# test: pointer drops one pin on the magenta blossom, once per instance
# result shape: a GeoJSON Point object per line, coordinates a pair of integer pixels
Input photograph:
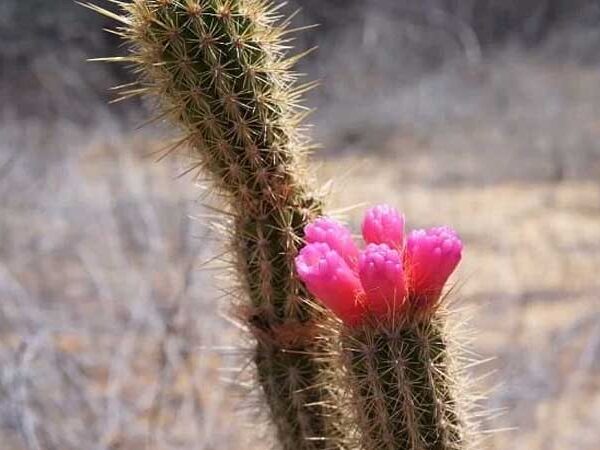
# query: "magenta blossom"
{"type": "Point", "coordinates": [382, 276]}
{"type": "Point", "coordinates": [389, 277]}
{"type": "Point", "coordinates": [334, 234]}
{"type": "Point", "coordinates": [329, 278]}
{"type": "Point", "coordinates": [384, 225]}
{"type": "Point", "coordinates": [431, 257]}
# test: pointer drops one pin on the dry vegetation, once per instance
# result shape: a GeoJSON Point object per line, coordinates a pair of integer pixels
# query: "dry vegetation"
{"type": "Point", "coordinates": [112, 332]}
{"type": "Point", "coordinates": [108, 329]}
{"type": "Point", "coordinates": [111, 336]}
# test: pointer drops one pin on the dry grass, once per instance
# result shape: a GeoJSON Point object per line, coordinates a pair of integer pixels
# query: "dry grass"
{"type": "Point", "coordinates": [109, 327]}
{"type": "Point", "coordinates": [109, 332]}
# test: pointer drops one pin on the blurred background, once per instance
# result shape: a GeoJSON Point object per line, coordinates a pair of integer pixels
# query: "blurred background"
{"type": "Point", "coordinates": [483, 114]}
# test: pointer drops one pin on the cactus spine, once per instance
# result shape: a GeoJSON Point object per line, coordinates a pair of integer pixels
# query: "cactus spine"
{"type": "Point", "coordinates": [401, 387]}
{"type": "Point", "coordinates": [217, 69]}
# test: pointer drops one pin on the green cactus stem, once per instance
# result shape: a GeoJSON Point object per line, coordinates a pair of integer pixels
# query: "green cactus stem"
{"type": "Point", "coordinates": [401, 383]}
{"type": "Point", "coordinates": [217, 69]}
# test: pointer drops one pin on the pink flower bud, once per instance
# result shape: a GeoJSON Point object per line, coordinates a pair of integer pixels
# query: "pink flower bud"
{"type": "Point", "coordinates": [334, 234]}
{"type": "Point", "coordinates": [431, 257]}
{"type": "Point", "coordinates": [329, 278]}
{"type": "Point", "coordinates": [383, 224]}
{"type": "Point", "coordinates": [382, 276]}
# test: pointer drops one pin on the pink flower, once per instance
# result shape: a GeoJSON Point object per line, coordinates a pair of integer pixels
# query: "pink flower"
{"type": "Point", "coordinates": [334, 234]}
{"type": "Point", "coordinates": [382, 276]}
{"type": "Point", "coordinates": [329, 278]}
{"type": "Point", "coordinates": [389, 277]}
{"type": "Point", "coordinates": [383, 224]}
{"type": "Point", "coordinates": [431, 257]}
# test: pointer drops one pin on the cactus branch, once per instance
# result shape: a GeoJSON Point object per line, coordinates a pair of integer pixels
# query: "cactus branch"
{"type": "Point", "coordinates": [402, 387]}
{"type": "Point", "coordinates": [218, 70]}
{"type": "Point", "coordinates": [397, 372]}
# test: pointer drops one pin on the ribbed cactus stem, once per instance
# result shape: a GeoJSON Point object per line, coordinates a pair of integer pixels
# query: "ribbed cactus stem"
{"type": "Point", "coordinates": [401, 386]}
{"type": "Point", "coordinates": [217, 69]}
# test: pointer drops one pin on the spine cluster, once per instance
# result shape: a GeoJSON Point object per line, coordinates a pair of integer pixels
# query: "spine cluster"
{"type": "Point", "coordinates": [217, 69]}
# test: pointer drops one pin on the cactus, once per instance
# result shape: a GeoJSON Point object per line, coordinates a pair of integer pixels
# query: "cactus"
{"type": "Point", "coordinates": [397, 368]}
{"type": "Point", "coordinates": [218, 70]}
{"type": "Point", "coordinates": [400, 381]}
